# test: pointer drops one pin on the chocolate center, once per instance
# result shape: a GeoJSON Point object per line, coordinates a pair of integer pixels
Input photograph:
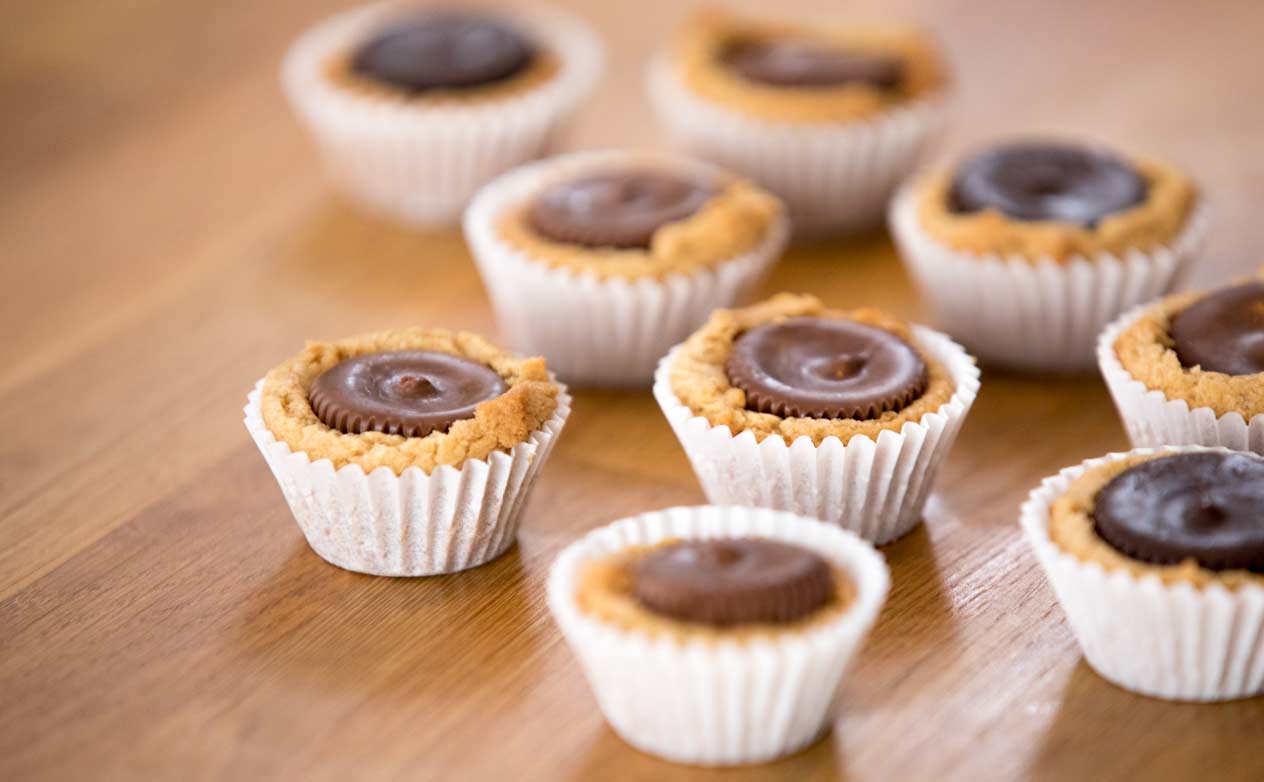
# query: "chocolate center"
{"type": "Point", "coordinates": [825, 368]}
{"type": "Point", "coordinates": [406, 392]}
{"type": "Point", "coordinates": [1223, 332]}
{"type": "Point", "coordinates": [1208, 507]}
{"type": "Point", "coordinates": [730, 582]}
{"type": "Point", "coordinates": [615, 208]}
{"type": "Point", "coordinates": [792, 62]}
{"type": "Point", "coordinates": [1031, 181]}
{"type": "Point", "coordinates": [443, 50]}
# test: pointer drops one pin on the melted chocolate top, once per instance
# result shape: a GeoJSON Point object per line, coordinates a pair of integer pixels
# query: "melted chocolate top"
{"type": "Point", "coordinates": [443, 50]}
{"type": "Point", "coordinates": [825, 368]}
{"type": "Point", "coordinates": [1223, 332]}
{"type": "Point", "coordinates": [616, 208]}
{"type": "Point", "coordinates": [791, 62]}
{"type": "Point", "coordinates": [1208, 507]}
{"type": "Point", "coordinates": [406, 392]}
{"type": "Point", "coordinates": [733, 581]}
{"type": "Point", "coordinates": [1036, 181]}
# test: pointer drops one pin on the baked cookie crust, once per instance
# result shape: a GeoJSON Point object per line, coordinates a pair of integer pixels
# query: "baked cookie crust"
{"type": "Point", "coordinates": [1156, 221]}
{"type": "Point", "coordinates": [733, 222]}
{"type": "Point", "coordinates": [604, 592]}
{"type": "Point", "coordinates": [1071, 528]}
{"type": "Point", "coordinates": [544, 67]}
{"type": "Point", "coordinates": [498, 424]}
{"type": "Point", "coordinates": [1145, 350]}
{"type": "Point", "coordinates": [700, 382]}
{"type": "Point", "coordinates": [696, 51]}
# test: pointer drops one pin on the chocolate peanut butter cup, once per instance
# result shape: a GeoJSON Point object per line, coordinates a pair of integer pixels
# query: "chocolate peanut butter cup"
{"type": "Point", "coordinates": [447, 50]}
{"type": "Point", "coordinates": [800, 62]}
{"type": "Point", "coordinates": [617, 208]}
{"type": "Point", "coordinates": [410, 393]}
{"type": "Point", "coordinates": [812, 367]}
{"type": "Point", "coordinates": [1042, 181]}
{"type": "Point", "coordinates": [732, 581]}
{"type": "Point", "coordinates": [1208, 507]}
{"type": "Point", "coordinates": [1223, 332]}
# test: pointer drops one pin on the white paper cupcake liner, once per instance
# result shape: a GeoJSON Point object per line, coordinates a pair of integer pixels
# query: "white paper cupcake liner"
{"type": "Point", "coordinates": [421, 164]}
{"type": "Point", "coordinates": [1035, 315]}
{"type": "Point", "coordinates": [592, 331]}
{"type": "Point", "coordinates": [1152, 419]}
{"type": "Point", "coordinates": [834, 177]}
{"type": "Point", "coordinates": [412, 524]}
{"type": "Point", "coordinates": [1176, 642]}
{"type": "Point", "coordinates": [876, 489]}
{"type": "Point", "coordinates": [718, 702]}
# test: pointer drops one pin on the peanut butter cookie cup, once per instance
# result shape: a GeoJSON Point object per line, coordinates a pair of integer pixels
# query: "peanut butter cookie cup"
{"type": "Point", "coordinates": [844, 416]}
{"type": "Point", "coordinates": [829, 117]}
{"type": "Point", "coordinates": [408, 452]}
{"type": "Point", "coordinates": [717, 636]}
{"type": "Point", "coordinates": [602, 261]}
{"type": "Point", "coordinates": [1157, 558]}
{"type": "Point", "coordinates": [1188, 369]}
{"type": "Point", "coordinates": [415, 108]}
{"type": "Point", "coordinates": [1025, 250]}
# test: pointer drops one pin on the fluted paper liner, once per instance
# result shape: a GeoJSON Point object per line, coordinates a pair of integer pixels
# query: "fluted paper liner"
{"type": "Point", "coordinates": [875, 488]}
{"type": "Point", "coordinates": [834, 177]}
{"type": "Point", "coordinates": [1034, 314]}
{"type": "Point", "coordinates": [600, 332]}
{"type": "Point", "coordinates": [1174, 641]}
{"type": "Point", "coordinates": [723, 702]}
{"type": "Point", "coordinates": [421, 163]}
{"type": "Point", "coordinates": [412, 524]}
{"type": "Point", "coordinates": [1152, 419]}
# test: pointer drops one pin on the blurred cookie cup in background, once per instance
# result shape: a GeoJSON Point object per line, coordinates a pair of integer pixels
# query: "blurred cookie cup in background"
{"type": "Point", "coordinates": [1026, 249]}
{"type": "Point", "coordinates": [831, 117]}
{"type": "Point", "coordinates": [414, 108]}
{"type": "Point", "coordinates": [601, 261]}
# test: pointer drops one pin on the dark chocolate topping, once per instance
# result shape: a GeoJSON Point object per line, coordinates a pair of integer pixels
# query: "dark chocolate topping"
{"type": "Point", "coordinates": [406, 392]}
{"type": "Point", "coordinates": [428, 51]}
{"type": "Point", "coordinates": [733, 581]}
{"type": "Point", "coordinates": [791, 62]}
{"type": "Point", "coordinates": [615, 208]}
{"type": "Point", "coordinates": [1208, 507]}
{"type": "Point", "coordinates": [1223, 332]}
{"type": "Point", "coordinates": [825, 368]}
{"type": "Point", "coordinates": [1033, 181]}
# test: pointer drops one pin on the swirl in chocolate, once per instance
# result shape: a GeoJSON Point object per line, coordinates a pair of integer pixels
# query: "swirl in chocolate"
{"type": "Point", "coordinates": [1208, 507]}
{"type": "Point", "coordinates": [1223, 332]}
{"type": "Point", "coordinates": [1035, 181]}
{"type": "Point", "coordinates": [445, 50]}
{"type": "Point", "coordinates": [732, 581]}
{"type": "Point", "coordinates": [825, 368]}
{"type": "Point", "coordinates": [621, 208]}
{"type": "Point", "coordinates": [793, 62]}
{"type": "Point", "coordinates": [407, 392]}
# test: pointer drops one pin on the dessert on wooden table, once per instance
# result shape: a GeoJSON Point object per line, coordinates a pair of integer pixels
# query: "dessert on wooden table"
{"type": "Point", "coordinates": [407, 452]}
{"type": "Point", "coordinates": [415, 108]}
{"type": "Point", "coordinates": [717, 636]}
{"type": "Point", "coordinates": [844, 416]}
{"type": "Point", "coordinates": [1189, 369]}
{"type": "Point", "coordinates": [1027, 249]}
{"type": "Point", "coordinates": [1157, 558]}
{"type": "Point", "coordinates": [829, 117]}
{"type": "Point", "coordinates": [602, 261]}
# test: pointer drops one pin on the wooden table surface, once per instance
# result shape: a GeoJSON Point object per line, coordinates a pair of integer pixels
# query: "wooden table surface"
{"type": "Point", "coordinates": [167, 236]}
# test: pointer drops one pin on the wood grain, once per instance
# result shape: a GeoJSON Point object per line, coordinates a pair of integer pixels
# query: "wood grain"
{"type": "Point", "coordinates": [168, 236]}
